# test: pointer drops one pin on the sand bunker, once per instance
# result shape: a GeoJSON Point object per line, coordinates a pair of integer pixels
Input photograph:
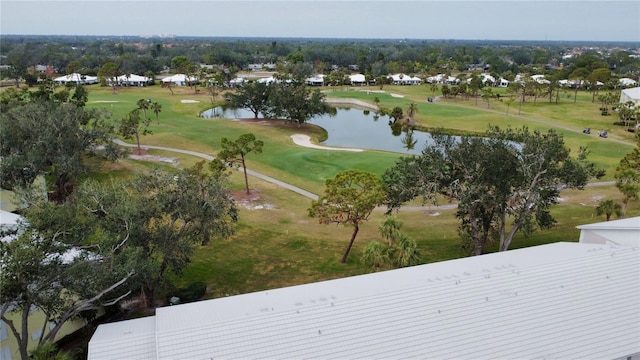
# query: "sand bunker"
{"type": "Point", "coordinates": [397, 95]}
{"type": "Point", "coordinates": [304, 140]}
{"type": "Point", "coordinates": [189, 101]}
{"type": "Point", "coordinates": [105, 101]}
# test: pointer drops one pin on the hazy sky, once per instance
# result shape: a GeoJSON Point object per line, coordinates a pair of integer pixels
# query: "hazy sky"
{"type": "Point", "coordinates": [598, 20]}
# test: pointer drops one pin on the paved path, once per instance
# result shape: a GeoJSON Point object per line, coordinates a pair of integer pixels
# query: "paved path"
{"type": "Point", "coordinates": [209, 158]}
{"type": "Point", "coordinates": [303, 192]}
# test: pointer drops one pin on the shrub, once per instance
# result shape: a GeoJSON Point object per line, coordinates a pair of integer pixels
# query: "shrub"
{"type": "Point", "coordinates": [192, 292]}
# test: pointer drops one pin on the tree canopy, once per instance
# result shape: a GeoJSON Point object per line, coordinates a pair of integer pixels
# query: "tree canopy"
{"type": "Point", "coordinates": [515, 175]}
{"type": "Point", "coordinates": [234, 152]}
{"type": "Point", "coordinates": [349, 199]}
{"type": "Point", "coordinates": [51, 139]}
{"type": "Point", "coordinates": [111, 240]}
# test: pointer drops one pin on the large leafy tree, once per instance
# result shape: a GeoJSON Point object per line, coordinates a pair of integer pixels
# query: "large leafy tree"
{"type": "Point", "coordinates": [109, 71]}
{"type": "Point", "coordinates": [179, 211]}
{"type": "Point", "coordinates": [54, 140]}
{"type": "Point", "coordinates": [253, 96]}
{"type": "Point", "coordinates": [349, 199]}
{"type": "Point", "coordinates": [110, 240]}
{"type": "Point", "coordinates": [234, 153]}
{"type": "Point", "coordinates": [57, 263]}
{"type": "Point", "coordinates": [294, 102]}
{"type": "Point", "coordinates": [511, 178]}
{"type": "Point", "coordinates": [132, 126]}
{"type": "Point", "coordinates": [578, 77]}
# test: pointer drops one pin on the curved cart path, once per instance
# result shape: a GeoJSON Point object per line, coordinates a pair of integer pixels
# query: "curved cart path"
{"type": "Point", "coordinates": [296, 189]}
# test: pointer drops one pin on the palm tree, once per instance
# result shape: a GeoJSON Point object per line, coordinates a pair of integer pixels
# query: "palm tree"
{"type": "Point", "coordinates": [143, 104]}
{"type": "Point", "coordinates": [609, 207]}
{"type": "Point", "coordinates": [408, 140]}
{"type": "Point", "coordinates": [156, 108]}
{"type": "Point", "coordinates": [412, 110]}
{"type": "Point", "coordinates": [390, 229]}
{"type": "Point", "coordinates": [376, 253]}
{"type": "Point", "coordinates": [407, 252]}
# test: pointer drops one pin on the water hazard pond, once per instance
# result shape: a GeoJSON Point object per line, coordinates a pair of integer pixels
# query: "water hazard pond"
{"type": "Point", "coordinates": [350, 127]}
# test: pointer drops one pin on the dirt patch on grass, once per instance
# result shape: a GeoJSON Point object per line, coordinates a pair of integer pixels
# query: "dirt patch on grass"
{"type": "Point", "coordinates": [251, 201]}
{"type": "Point", "coordinates": [154, 158]}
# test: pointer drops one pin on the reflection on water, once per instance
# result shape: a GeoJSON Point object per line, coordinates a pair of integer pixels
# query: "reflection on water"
{"type": "Point", "coordinates": [352, 128]}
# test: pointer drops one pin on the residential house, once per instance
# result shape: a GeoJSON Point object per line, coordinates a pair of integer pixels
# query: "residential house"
{"type": "Point", "coordinates": [357, 80]}
{"type": "Point", "coordinates": [315, 80]}
{"type": "Point", "coordinates": [76, 78]}
{"type": "Point", "coordinates": [129, 80]}
{"type": "Point", "coordinates": [180, 80]}
{"type": "Point", "coordinates": [403, 79]}
{"type": "Point", "coordinates": [615, 232]}
{"type": "Point", "coordinates": [631, 94]}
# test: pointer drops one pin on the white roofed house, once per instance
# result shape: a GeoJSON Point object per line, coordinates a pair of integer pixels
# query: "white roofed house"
{"type": "Point", "coordinates": [627, 82]}
{"type": "Point", "coordinates": [77, 79]}
{"type": "Point", "coordinates": [315, 80]}
{"type": "Point", "coordinates": [403, 79]}
{"type": "Point", "coordinates": [631, 94]}
{"type": "Point", "coordinates": [180, 80]}
{"type": "Point", "coordinates": [539, 79]}
{"type": "Point", "coordinates": [357, 80]}
{"type": "Point", "coordinates": [616, 232]}
{"type": "Point", "coordinates": [556, 301]}
{"type": "Point", "coordinates": [129, 80]}
{"type": "Point", "coordinates": [443, 79]}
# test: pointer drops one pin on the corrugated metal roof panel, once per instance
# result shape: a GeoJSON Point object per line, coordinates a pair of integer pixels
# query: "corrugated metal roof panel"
{"type": "Point", "coordinates": [563, 300]}
{"type": "Point", "coordinates": [130, 339]}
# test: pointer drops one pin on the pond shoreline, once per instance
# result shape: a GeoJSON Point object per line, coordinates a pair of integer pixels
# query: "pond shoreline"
{"type": "Point", "coordinates": [352, 102]}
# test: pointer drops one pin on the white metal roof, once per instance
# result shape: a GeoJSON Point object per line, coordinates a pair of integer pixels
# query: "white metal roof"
{"type": "Point", "coordinates": [632, 223]}
{"type": "Point", "coordinates": [620, 232]}
{"type": "Point", "coordinates": [563, 300]}
{"type": "Point", "coordinates": [179, 78]}
{"type": "Point", "coordinates": [8, 218]}
{"type": "Point", "coordinates": [130, 339]}
{"type": "Point", "coordinates": [632, 93]}
{"type": "Point", "coordinates": [133, 78]}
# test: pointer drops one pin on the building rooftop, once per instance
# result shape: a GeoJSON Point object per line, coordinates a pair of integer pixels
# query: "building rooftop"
{"type": "Point", "coordinates": [562, 300]}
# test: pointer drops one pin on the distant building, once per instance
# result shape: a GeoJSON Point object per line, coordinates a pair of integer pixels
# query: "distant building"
{"type": "Point", "coordinates": [180, 80]}
{"type": "Point", "coordinates": [616, 232]}
{"type": "Point", "coordinates": [632, 94]}
{"type": "Point", "coordinates": [403, 79]}
{"type": "Point", "coordinates": [315, 80]}
{"type": "Point", "coordinates": [76, 78]}
{"type": "Point", "coordinates": [129, 80]}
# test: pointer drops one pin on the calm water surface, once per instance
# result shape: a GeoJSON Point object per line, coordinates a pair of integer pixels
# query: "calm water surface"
{"type": "Point", "coordinates": [350, 127]}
